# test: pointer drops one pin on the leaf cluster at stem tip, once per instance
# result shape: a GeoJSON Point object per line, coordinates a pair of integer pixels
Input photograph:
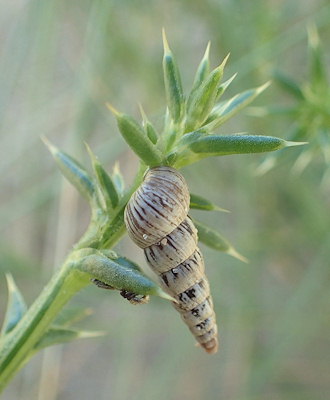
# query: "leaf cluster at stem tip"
{"type": "Point", "coordinates": [191, 120]}
{"type": "Point", "coordinates": [308, 114]}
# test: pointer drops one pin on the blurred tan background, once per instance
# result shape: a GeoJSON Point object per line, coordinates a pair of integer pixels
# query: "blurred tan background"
{"type": "Point", "coordinates": [60, 62]}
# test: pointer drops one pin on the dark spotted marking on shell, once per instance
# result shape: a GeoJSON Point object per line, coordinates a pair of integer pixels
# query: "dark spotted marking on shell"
{"type": "Point", "coordinates": [157, 220]}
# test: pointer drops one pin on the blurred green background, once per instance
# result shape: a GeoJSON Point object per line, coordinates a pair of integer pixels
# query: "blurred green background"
{"type": "Point", "coordinates": [60, 62]}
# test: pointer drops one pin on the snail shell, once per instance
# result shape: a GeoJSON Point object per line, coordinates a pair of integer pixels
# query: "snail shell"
{"type": "Point", "coordinates": [156, 219]}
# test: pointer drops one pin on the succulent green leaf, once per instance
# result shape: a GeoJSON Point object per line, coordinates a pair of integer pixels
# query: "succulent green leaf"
{"type": "Point", "coordinates": [105, 183]}
{"type": "Point", "coordinates": [203, 99]}
{"type": "Point", "coordinates": [121, 275]}
{"type": "Point", "coordinates": [214, 240]}
{"type": "Point", "coordinates": [16, 307]}
{"type": "Point", "coordinates": [58, 335]}
{"type": "Point", "coordinates": [136, 138]}
{"type": "Point", "coordinates": [201, 73]}
{"type": "Point", "coordinates": [227, 109]}
{"type": "Point", "coordinates": [70, 316]}
{"type": "Point", "coordinates": [118, 179]}
{"type": "Point", "coordinates": [221, 145]}
{"type": "Point", "coordinates": [173, 86]}
{"type": "Point", "coordinates": [288, 84]}
{"type": "Point", "coordinates": [73, 171]}
{"type": "Point", "coordinates": [238, 144]}
{"type": "Point", "coordinates": [203, 68]}
{"type": "Point", "coordinates": [200, 203]}
{"type": "Point", "coordinates": [108, 187]}
{"type": "Point", "coordinates": [223, 87]}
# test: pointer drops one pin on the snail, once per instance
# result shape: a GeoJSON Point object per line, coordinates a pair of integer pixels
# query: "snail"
{"type": "Point", "coordinates": [156, 218]}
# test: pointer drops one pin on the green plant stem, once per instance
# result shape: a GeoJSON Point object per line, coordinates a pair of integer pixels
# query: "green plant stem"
{"type": "Point", "coordinates": [115, 227]}
{"type": "Point", "coordinates": [17, 346]}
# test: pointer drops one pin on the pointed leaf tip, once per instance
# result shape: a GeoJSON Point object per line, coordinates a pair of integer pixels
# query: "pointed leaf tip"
{"type": "Point", "coordinates": [224, 62]}
{"type": "Point", "coordinates": [112, 109]}
{"type": "Point", "coordinates": [217, 208]}
{"type": "Point", "coordinates": [263, 87]}
{"type": "Point", "coordinates": [16, 307]}
{"type": "Point", "coordinates": [160, 292]}
{"type": "Point", "coordinates": [288, 143]}
{"type": "Point", "coordinates": [234, 253]}
{"type": "Point", "coordinates": [58, 334]}
{"type": "Point", "coordinates": [92, 156]}
{"type": "Point", "coordinates": [165, 42]}
{"type": "Point", "coordinates": [52, 148]}
{"type": "Point", "coordinates": [207, 50]}
{"type": "Point", "coordinates": [143, 114]}
{"type": "Point", "coordinates": [90, 334]}
{"type": "Point", "coordinates": [313, 36]}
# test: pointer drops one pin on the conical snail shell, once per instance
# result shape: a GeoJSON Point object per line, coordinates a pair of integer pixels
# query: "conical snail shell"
{"type": "Point", "coordinates": [157, 220]}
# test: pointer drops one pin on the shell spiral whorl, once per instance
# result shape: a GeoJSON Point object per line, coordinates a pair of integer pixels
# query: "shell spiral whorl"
{"type": "Point", "coordinates": [156, 219]}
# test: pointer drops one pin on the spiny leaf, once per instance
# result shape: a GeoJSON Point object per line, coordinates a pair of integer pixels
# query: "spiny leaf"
{"type": "Point", "coordinates": [135, 137]}
{"type": "Point", "coordinates": [223, 87]}
{"type": "Point", "coordinates": [16, 307]}
{"type": "Point", "coordinates": [105, 182]}
{"type": "Point", "coordinates": [203, 99]}
{"type": "Point", "coordinates": [221, 145]}
{"type": "Point", "coordinates": [200, 203]}
{"type": "Point", "coordinates": [225, 110]}
{"type": "Point", "coordinates": [70, 316]}
{"type": "Point", "coordinates": [58, 335]}
{"type": "Point", "coordinates": [173, 86]}
{"type": "Point", "coordinates": [239, 144]}
{"type": "Point", "coordinates": [73, 171]}
{"type": "Point", "coordinates": [201, 73]}
{"type": "Point", "coordinates": [213, 239]}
